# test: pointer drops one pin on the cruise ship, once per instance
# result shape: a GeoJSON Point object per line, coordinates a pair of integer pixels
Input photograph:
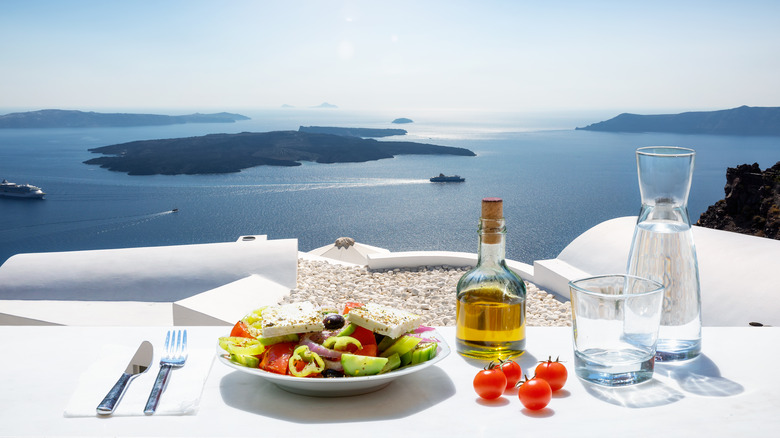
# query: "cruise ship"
{"type": "Point", "coordinates": [12, 190]}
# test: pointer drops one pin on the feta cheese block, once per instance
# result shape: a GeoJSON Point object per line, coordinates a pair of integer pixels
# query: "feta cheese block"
{"type": "Point", "coordinates": [384, 320]}
{"type": "Point", "coordinates": [290, 318]}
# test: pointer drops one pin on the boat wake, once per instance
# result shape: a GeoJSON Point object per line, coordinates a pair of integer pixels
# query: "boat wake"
{"type": "Point", "coordinates": [112, 222]}
{"type": "Point", "coordinates": [299, 187]}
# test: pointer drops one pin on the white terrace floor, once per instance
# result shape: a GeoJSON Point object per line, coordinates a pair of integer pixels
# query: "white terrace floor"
{"type": "Point", "coordinates": [214, 284]}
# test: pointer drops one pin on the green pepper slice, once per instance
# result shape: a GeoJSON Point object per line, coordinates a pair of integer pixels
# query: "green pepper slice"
{"type": "Point", "coordinates": [314, 363]}
{"type": "Point", "coordinates": [241, 346]}
{"type": "Point", "coordinates": [341, 342]}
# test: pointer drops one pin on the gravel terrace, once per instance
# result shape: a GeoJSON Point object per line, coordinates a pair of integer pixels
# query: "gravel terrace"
{"type": "Point", "coordinates": [427, 291]}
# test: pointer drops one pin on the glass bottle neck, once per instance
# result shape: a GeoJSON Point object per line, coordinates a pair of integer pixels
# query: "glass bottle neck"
{"type": "Point", "coordinates": [492, 242]}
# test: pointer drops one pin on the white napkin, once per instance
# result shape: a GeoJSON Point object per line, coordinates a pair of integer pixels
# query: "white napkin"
{"type": "Point", "coordinates": [181, 397]}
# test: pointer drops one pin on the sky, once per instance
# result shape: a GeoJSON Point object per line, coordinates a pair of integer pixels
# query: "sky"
{"type": "Point", "coordinates": [639, 56]}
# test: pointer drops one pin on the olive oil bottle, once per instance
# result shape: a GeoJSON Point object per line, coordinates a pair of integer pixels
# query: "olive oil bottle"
{"type": "Point", "coordinates": [490, 309]}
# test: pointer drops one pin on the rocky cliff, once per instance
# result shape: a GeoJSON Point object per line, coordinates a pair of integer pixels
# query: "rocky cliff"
{"type": "Point", "coordinates": [752, 203]}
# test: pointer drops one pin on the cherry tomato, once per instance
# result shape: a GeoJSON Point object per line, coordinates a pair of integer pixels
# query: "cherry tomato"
{"type": "Point", "coordinates": [553, 372]}
{"type": "Point", "coordinates": [534, 394]}
{"type": "Point", "coordinates": [490, 382]}
{"type": "Point", "coordinates": [240, 331]}
{"type": "Point", "coordinates": [512, 371]}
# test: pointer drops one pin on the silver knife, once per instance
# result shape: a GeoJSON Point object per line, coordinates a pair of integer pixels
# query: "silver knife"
{"type": "Point", "coordinates": [140, 362]}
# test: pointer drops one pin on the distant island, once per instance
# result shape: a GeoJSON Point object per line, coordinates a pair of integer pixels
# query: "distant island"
{"type": "Point", "coordinates": [226, 153]}
{"type": "Point", "coordinates": [55, 118]}
{"type": "Point", "coordinates": [744, 120]}
{"type": "Point", "coordinates": [403, 120]}
{"type": "Point", "coordinates": [325, 105]}
{"type": "Point", "coordinates": [352, 132]}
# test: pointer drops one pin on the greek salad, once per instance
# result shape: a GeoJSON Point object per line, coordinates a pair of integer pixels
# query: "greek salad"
{"type": "Point", "coordinates": [303, 340]}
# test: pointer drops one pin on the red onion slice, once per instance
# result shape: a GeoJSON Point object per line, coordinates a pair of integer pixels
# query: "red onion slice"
{"type": "Point", "coordinates": [423, 328]}
{"type": "Point", "coordinates": [325, 353]}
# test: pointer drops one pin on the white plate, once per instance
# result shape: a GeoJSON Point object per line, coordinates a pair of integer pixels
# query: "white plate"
{"type": "Point", "coordinates": [341, 386]}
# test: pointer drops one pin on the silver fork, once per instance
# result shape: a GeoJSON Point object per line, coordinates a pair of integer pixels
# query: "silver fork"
{"type": "Point", "coordinates": [174, 356]}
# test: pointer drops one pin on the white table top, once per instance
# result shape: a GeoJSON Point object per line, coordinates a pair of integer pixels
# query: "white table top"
{"type": "Point", "coordinates": [732, 389]}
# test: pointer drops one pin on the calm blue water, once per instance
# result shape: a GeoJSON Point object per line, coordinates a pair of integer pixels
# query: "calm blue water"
{"type": "Point", "coordinates": [556, 183]}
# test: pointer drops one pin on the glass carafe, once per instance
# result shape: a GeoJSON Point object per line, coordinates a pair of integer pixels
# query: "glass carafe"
{"type": "Point", "coordinates": [663, 248]}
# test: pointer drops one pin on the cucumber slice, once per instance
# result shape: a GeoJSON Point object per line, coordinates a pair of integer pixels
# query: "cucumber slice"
{"type": "Point", "coordinates": [403, 345]}
{"type": "Point", "coordinates": [356, 365]}
{"type": "Point", "coordinates": [393, 362]}
{"type": "Point", "coordinates": [384, 344]}
{"type": "Point", "coordinates": [247, 361]}
{"type": "Point", "coordinates": [406, 358]}
{"type": "Point", "coordinates": [424, 352]}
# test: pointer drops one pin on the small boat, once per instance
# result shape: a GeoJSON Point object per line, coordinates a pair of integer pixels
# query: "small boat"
{"type": "Point", "coordinates": [175, 210]}
{"type": "Point", "coordinates": [13, 190]}
{"type": "Point", "coordinates": [444, 178]}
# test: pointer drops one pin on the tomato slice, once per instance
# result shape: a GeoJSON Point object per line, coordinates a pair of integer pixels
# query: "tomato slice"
{"type": "Point", "coordinates": [367, 340]}
{"type": "Point", "coordinates": [367, 350]}
{"type": "Point", "coordinates": [350, 305]}
{"type": "Point", "coordinates": [277, 357]}
{"type": "Point", "coordinates": [240, 330]}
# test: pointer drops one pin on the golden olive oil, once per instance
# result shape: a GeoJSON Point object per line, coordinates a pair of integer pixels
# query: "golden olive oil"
{"type": "Point", "coordinates": [490, 324]}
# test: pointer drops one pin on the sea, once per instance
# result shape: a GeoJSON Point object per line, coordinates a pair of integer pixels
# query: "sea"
{"type": "Point", "coordinates": [556, 183]}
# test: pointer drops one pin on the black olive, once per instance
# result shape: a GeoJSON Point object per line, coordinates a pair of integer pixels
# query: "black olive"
{"type": "Point", "coordinates": [332, 373]}
{"type": "Point", "coordinates": [333, 321]}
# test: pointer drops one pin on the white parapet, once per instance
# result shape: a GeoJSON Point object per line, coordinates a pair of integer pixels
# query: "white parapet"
{"type": "Point", "coordinates": [152, 274]}
{"type": "Point", "coordinates": [414, 259]}
{"type": "Point", "coordinates": [227, 304]}
{"type": "Point", "coordinates": [192, 284]}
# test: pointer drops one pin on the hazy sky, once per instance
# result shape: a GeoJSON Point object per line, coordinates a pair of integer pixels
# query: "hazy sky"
{"type": "Point", "coordinates": [507, 55]}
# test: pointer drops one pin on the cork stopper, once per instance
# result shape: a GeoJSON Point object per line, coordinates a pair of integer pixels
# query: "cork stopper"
{"type": "Point", "coordinates": [492, 208]}
{"type": "Point", "coordinates": [492, 220]}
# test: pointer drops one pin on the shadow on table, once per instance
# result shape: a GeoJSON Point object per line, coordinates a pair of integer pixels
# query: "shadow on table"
{"type": "Point", "coordinates": [699, 376]}
{"type": "Point", "coordinates": [527, 362]}
{"type": "Point", "coordinates": [405, 396]}
{"type": "Point", "coordinates": [644, 395]}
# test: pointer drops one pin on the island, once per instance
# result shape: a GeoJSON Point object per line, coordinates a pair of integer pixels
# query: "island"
{"type": "Point", "coordinates": [56, 118]}
{"type": "Point", "coordinates": [227, 153]}
{"type": "Point", "coordinates": [352, 132]}
{"type": "Point", "coordinates": [403, 120]}
{"type": "Point", "coordinates": [325, 105]}
{"type": "Point", "coordinates": [744, 120]}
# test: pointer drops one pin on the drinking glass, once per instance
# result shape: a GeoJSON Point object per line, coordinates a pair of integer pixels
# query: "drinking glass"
{"type": "Point", "coordinates": [615, 319]}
